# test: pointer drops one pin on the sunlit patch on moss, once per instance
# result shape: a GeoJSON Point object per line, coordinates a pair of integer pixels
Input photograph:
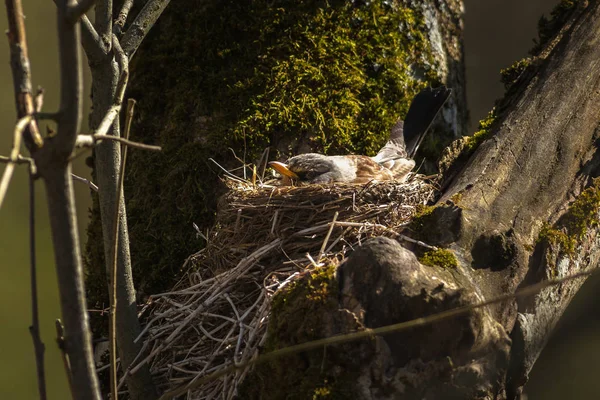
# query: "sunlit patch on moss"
{"type": "Point", "coordinates": [441, 258]}
{"type": "Point", "coordinates": [582, 215]}
{"type": "Point", "coordinates": [511, 74]}
{"type": "Point", "coordinates": [483, 131]}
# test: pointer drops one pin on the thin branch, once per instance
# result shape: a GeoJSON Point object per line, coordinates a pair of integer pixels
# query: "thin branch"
{"type": "Point", "coordinates": [21, 71]}
{"type": "Point", "coordinates": [55, 169]}
{"type": "Point", "coordinates": [60, 341]}
{"type": "Point", "coordinates": [34, 329]}
{"type": "Point", "coordinates": [92, 140]}
{"type": "Point", "coordinates": [369, 333]}
{"type": "Point", "coordinates": [47, 116]}
{"type": "Point", "coordinates": [14, 155]}
{"type": "Point", "coordinates": [123, 62]}
{"type": "Point", "coordinates": [115, 246]}
{"type": "Point", "coordinates": [20, 160]}
{"type": "Point", "coordinates": [89, 183]}
{"type": "Point", "coordinates": [103, 16]}
{"type": "Point", "coordinates": [75, 12]}
{"type": "Point", "coordinates": [108, 120]}
{"type": "Point", "coordinates": [71, 87]}
{"type": "Point", "coordinates": [142, 25]}
{"type": "Point", "coordinates": [90, 40]}
{"type": "Point", "coordinates": [122, 18]}
{"type": "Point", "coordinates": [38, 101]}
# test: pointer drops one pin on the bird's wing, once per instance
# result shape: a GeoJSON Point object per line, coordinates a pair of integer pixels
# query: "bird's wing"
{"type": "Point", "coordinates": [395, 147]}
{"type": "Point", "coordinates": [423, 110]}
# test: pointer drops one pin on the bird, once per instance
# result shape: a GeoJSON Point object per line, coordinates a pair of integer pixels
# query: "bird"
{"type": "Point", "coordinates": [393, 162]}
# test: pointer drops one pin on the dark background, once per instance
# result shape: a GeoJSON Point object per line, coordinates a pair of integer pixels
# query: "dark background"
{"type": "Point", "coordinates": [497, 33]}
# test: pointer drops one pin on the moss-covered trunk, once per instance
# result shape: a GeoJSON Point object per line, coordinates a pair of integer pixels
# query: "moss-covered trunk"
{"type": "Point", "coordinates": [223, 79]}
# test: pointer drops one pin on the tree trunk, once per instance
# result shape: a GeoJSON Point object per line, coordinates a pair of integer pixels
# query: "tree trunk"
{"type": "Point", "coordinates": [524, 209]}
{"type": "Point", "coordinates": [514, 215]}
{"type": "Point", "coordinates": [222, 77]}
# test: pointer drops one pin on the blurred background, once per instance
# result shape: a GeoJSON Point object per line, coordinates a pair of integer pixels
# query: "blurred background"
{"type": "Point", "coordinates": [497, 33]}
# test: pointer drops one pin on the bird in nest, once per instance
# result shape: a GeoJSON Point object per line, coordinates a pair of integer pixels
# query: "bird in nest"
{"type": "Point", "coordinates": [393, 162]}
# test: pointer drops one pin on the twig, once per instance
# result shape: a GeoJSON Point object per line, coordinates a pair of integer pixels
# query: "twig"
{"type": "Point", "coordinates": [60, 341]}
{"type": "Point", "coordinates": [78, 10]}
{"type": "Point", "coordinates": [122, 18]}
{"type": "Point", "coordinates": [34, 329]}
{"type": "Point", "coordinates": [89, 183]}
{"type": "Point", "coordinates": [113, 277]}
{"type": "Point", "coordinates": [332, 225]}
{"type": "Point", "coordinates": [137, 145]}
{"type": "Point", "coordinates": [103, 17]}
{"type": "Point", "coordinates": [90, 40]}
{"type": "Point", "coordinates": [21, 71]}
{"type": "Point", "coordinates": [123, 62]}
{"type": "Point", "coordinates": [38, 101]}
{"type": "Point", "coordinates": [20, 160]}
{"type": "Point", "coordinates": [368, 333]}
{"type": "Point", "coordinates": [142, 25]}
{"type": "Point", "coordinates": [94, 49]}
{"type": "Point", "coordinates": [14, 155]}
{"type": "Point", "coordinates": [91, 140]}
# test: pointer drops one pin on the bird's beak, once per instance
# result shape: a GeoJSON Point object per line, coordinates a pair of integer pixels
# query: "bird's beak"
{"type": "Point", "coordinates": [283, 169]}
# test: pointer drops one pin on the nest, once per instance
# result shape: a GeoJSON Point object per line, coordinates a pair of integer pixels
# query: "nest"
{"type": "Point", "coordinates": [264, 238]}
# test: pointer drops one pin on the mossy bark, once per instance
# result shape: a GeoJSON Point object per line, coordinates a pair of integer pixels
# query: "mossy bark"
{"type": "Point", "coordinates": [524, 208]}
{"type": "Point", "coordinates": [225, 79]}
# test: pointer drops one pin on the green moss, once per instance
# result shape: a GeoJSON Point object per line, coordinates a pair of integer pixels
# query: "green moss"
{"type": "Point", "coordinates": [548, 27]}
{"type": "Point", "coordinates": [483, 131]}
{"type": "Point", "coordinates": [581, 215]}
{"type": "Point", "coordinates": [510, 75]}
{"type": "Point", "coordinates": [441, 258]}
{"type": "Point", "coordinates": [422, 218]}
{"type": "Point", "coordinates": [247, 75]}
{"type": "Point", "coordinates": [306, 310]}
{"type": "Point", "coordinates": [456, 198]}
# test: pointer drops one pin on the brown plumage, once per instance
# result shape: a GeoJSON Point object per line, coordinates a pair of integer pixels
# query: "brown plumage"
{"type": "Point", "coordinates": [393, 162]}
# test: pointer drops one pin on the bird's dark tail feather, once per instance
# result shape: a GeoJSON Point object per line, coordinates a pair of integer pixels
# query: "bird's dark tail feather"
{"type": "Point", "coordinates": [423, 110]}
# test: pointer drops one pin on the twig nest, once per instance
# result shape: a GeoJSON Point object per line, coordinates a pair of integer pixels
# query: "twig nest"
{"type": "Point", "coordinates": [263, 239]}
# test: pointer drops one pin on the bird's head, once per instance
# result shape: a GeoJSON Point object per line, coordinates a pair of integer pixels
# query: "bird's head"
{"type": "Point", "coordinates": [309, 168]}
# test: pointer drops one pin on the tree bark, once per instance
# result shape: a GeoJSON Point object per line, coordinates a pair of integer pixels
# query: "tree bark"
{"type": "Point", "coordinates": [527, 177]}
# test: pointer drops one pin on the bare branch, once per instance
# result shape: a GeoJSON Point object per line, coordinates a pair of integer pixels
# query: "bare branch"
{"type": "Point", "coordinates": [115, 246]}
{"type": "Point", "coordinates": [79, 9]}
{"type": "Point", "coordinates": [20, 160]}
{"type": "Point", "coordinates": [89, 183]}
{"type": "Point", "coordinates": [14, 156]}
{"type": "Point", "coordinates": [19, 63]}
{"type": "Point", "coordinates": [122, 18]}
{"type": "Point", "coordinates": [71, 88]}
{"type": "Point", "coordinates": [39, 99]}
{"type": "Point", "coordinates": [91, 42]}
{"type": "Point", "coordinates": [123, 62]}
{"type": "Point", "coordinates": [96, 138]}
{"type": "Point", "coordinates": [142, 25]}
{"type": "Point", "coordinates": [103, 22]}
{"type": "Point", "coordinates": [48, 116]}
{"type": "Point", "coordinates": [60, 341]}
{"type": "Point", "coordinates": [34, 329]}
